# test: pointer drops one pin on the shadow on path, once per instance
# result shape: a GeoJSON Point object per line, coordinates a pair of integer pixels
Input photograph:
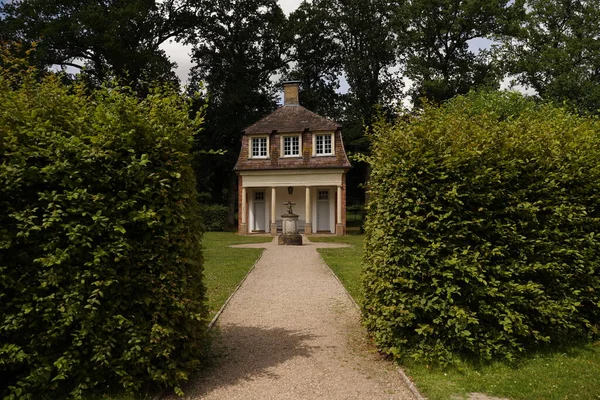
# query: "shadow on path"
{"type": "Point", "coordinates": [242, 351]}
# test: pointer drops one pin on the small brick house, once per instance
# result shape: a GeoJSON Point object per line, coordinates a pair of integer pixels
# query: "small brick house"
{"type": "Point", "coordinates": [293, 155]}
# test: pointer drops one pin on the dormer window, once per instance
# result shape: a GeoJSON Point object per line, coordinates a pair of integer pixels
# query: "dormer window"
{"type": "Point", "coordinates": [260, 147]}
{"type": "Point", "coordinates": [323, 144]}
{"type": "Point", "coordinates": [291, 146]}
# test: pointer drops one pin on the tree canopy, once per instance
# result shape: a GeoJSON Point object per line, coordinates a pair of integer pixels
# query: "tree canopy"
{"type": "Point", "coordinates": [556, 51]}
{"type": "Point", "coordinates": [102, 38]}
{"type": "Point", "coordinates": [316, 59]}
{"type": "Point", "coordinates": [439, 57]}
{"type": "Point", "coordinates": [236, 54]}
{"type": "Point", "coordinates": [357, 60]}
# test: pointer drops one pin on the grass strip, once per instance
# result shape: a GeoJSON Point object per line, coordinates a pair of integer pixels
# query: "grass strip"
{"type": "Point", "coordinates": [344, 262]}
{"type": "Point", "coordinates": [225, 267]}
{"type": "Point", "coordinates": [562, 373]}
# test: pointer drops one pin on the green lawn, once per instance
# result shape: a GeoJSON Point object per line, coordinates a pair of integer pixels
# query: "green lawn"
{"type": "Point", "coordinates": [571, 373]}
{"type": "Point", "coordinates": [567, 373]}
{"type": "Point", "coordinates": [344, 262]}
{"type": "Point", "coordinates": [225, 267]}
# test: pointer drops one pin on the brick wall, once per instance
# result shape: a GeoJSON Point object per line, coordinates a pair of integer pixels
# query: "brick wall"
{"type": "Point", "coordinates": [344, 202]}
{"type": "Point", "coordinates": [240, 204]}
{"type": "Point", "coordinates": [307, 161]}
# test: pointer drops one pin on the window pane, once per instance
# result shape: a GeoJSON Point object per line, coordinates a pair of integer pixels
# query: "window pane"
{"type": "Point", "coordinates": [291, 146]}
{"type": "Point", "coordinates": [323, 144]}
{"type": "Point", "coordinates": [327, 140]}
{"type": "Point", "coordinates": [259, 147]}
{"type": "Point", "coordinates": [263, 147]}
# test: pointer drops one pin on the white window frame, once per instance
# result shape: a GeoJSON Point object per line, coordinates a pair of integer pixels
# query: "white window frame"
{"type": "Point", "coordinates": [332, 136]}
{"type": "Point", "coordinates": [252, 138]}
{"type": "Point", "coordinates": [282, 146]}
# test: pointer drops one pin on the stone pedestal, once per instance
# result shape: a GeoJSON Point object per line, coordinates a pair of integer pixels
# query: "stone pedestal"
{"type": "Point", "coordinates": [290, 234]}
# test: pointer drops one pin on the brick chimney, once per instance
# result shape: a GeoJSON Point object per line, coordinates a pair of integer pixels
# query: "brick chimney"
{"type": "Point", "coordinates": [290, 93]}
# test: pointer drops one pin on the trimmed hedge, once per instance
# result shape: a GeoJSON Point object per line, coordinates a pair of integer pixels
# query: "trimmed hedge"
{"type": "Point", "coordinates": [483, 230]}
{"type": "Point", "coordinates": [214, 217]}
{"type": "Point", "coordinates": [100, 241]}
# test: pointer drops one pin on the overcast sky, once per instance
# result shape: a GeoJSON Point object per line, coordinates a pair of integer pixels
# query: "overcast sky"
{"type": "Point", "coordinates": [181, 54]}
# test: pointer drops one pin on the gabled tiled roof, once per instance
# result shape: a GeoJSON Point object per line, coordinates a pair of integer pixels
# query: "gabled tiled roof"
{"type": "Point", "coordinates": [291, 118]}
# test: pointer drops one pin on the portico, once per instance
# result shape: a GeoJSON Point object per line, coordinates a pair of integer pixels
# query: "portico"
{"type": "Point", "coordinates": [318, 194]}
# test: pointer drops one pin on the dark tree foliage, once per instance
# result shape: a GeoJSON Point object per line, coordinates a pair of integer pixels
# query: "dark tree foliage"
{"type": "Point", "coordinates": [557, 51]}
{"type": "Point", "coordinates": [439, 60]}
{"type": "Point", "coordinates": [236, 54]}
{"type": "Point", "coordinates": [369, 53]}
{"type": "Point", "coordinates": [104, 38]}
{"type": "Point", "coordinates": [352, 39]}
{"type": "Point", "coordinates": [316, 60]}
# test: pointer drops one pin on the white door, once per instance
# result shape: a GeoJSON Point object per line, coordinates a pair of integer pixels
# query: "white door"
{"type": "Point", "coordinates": [323, 211]}
{"type": "Point", "coordinates": [259, 211]}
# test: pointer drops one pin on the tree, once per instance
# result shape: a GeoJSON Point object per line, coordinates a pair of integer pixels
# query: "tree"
{"type": "Point", "coordinates": [370, 63]}
{"type": "Point", "coordinates": [557, 51]}
{"type": "Point", "coordinates": [236, 54]}
{"type": "Point", "coordinates": [439, 60]}
{"type": "Point", "coordinates": [316, 59]}
{"type": "Point", "coordinates": [352, 39]}
{"type": "Point", "coordinates": [369, 50]}
{"type": "Point", "coordinates": [103, 38]}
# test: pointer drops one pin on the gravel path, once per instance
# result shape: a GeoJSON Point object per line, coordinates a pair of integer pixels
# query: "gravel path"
{"type": "Point", "coordinates": [292, 332]}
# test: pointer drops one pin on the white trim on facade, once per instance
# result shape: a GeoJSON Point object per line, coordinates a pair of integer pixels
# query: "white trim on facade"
{"type": "Point", "coordinates": [285, 178]}
{"type": "Point", "coordinates": [269, 181]}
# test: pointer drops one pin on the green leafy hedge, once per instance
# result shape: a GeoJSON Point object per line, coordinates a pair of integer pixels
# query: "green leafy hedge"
{"type": "Point", "coordinates": [100, 254]}
{"type": "Point", "coordinates": [483, 229]}
{"type": "Point", "coordinates": [214, 217]}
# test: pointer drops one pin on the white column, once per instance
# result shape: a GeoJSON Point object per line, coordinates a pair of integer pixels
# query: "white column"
{"type": "Point", "coordinates": [273, 213]}
{"type": "Point", "coordinates": [273, 205]}
{"type": "Point", "coordinates": [308, 224]}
